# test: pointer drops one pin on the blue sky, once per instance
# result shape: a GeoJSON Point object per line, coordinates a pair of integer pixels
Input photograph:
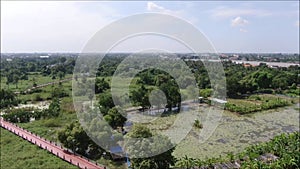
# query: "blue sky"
{"type": "Point", "coordinates": [231, 26]}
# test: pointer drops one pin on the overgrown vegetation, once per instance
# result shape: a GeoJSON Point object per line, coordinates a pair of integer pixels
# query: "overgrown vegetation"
{"type": "Point", "coordinates": [8, 99]}
{"type": "Point", "coordinates": [25, 114]}
{"type": "Point", "coordinates": [256, 103]}
{"type": "Point", "coordinates": [58, 123]}
{"type": "Point", "coordinates": [285, 150]}
{"type": "Point", "coordinates": [17, 153]}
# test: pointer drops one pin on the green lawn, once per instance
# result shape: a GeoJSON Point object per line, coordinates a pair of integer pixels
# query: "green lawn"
{"type": "Point", "coordinates": [18, 153]}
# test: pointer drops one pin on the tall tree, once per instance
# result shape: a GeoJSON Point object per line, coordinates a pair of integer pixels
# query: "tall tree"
{"type": "Point", "coordinates": [140, 97]}
{"type": "Point", "coordinates": [54, 108]}
{"type": "Point", "coordinates": [74, 137]}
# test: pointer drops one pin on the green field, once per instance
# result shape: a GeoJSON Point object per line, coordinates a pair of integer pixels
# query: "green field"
{"type": "Point", "coordinates": [25, 84]}
{"type": "Point", "coordinates": [17, 153]}
{"type": "Point", "coordinates": [44, 93]}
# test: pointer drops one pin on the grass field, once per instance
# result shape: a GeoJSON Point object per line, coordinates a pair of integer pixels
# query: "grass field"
{"type": "Point", "coordinates": [17, 153]}
{"type": "Point", "coordinates": [25, 84]}
{"type": "Point", "coordinates": [45, 92]}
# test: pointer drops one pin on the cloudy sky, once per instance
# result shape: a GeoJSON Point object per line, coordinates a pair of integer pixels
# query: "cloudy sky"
{"type": "Point", "coordinates": [230, 26]}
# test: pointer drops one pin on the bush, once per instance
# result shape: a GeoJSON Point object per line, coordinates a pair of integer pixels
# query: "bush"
{"type": "Point", "coordinates": [205, 93]}
{"type": "Point", "coordinates": [18, 115]}
{"type": "Point", "coordinates": [59, 93]}
{"type": "Point", "coordinates": [8, 98]}
{"type": "Point", "coordinates": [198, 124]}
{"type": "Point", "coordinates": [37, 97]}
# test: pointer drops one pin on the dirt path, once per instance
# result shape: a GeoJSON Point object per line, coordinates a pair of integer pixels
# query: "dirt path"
{"type": "Point", "coordinates": [52, 147]}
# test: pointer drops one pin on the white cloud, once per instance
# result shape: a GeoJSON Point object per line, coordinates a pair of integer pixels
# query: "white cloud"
{"type": "Point", "coordinates": [151, 6]}
{"type": "Point", "coordinates": [182, 13]}
{"type": "Point", "coordinates": [239, 21]}
{"type": "Point", "coordinates": [50, 26]}
{"type": "Point", "coordinates": [243, 30]}
{"type": "Point", "coordinates": [226, 12]}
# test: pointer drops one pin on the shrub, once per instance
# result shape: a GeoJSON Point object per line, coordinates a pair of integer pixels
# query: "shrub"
{"type": "Point", "coordinates": [52, 123]}
{"type": "Point", "coordinates": [37, 97]}
{"type": "Point", "coordinates": [198, 124]}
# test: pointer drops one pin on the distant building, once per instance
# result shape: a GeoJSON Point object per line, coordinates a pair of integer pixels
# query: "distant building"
{"type": "Point", "coordinates": [44, 56]}
{"type": "Point", "coordinates": [274, 66]}
{"type": "Point", "coordinates": [248, 65]}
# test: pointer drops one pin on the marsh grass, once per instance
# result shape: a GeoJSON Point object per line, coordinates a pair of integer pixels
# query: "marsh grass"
{"type": "Point", "coordinates": [17, 153]}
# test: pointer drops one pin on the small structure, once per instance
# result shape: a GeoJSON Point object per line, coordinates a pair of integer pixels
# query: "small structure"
{"type": "Point", "coordinates": [200, 99]}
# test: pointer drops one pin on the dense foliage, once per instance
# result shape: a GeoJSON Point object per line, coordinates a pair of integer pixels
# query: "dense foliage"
{"type": "Point", "coordinates": [258, 103]}
{"type": "Point", "coordinates": [114, 118]}
{"type": "Point", "coordinates": [150, 146]}
{"type": "Point", "coordinates": [8, 98]}
{"type": "Point", "coordinates": [261, 79]}
{"type": "Point", "coordinates": [156, 79]}
{"type": "Point", "coordinates": [19, 68]}
{"type": "Point", "coordinates": [24, 115]}
{"type": "Point", "coordinates": [75, 138]}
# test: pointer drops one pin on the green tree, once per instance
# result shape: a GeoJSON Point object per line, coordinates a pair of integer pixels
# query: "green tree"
{"type": "Point", "coordinates": [74, 137]}
{"type": "Point", "coordinates": [140, 97]}
{"type": "Point", "coordinates": [114, 118]}
{"type": "Point", "coordinates": [153, 145]}
{"type": "Point", "coordinates": [54, 108]}
{"type": "Point", "coordinates": [8, 98]}
{"type": "Point", "coordinates": [61, 75]}
{"type": "Point", "coordinates": [106, 102]}
{"type": "Point", "coordinates": [172, 93]}
{"type": "Point", "coordinates": [233, 86]}
{"type": "Point", "coordinates": [101, 85]}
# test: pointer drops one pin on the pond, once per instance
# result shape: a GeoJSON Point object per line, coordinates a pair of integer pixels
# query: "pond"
{"type": "Point", "coordinates": [236, 132]}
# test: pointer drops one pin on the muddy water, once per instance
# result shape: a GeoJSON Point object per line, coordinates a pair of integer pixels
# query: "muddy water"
{"type": "Point", "coordinates": [234, 132]}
